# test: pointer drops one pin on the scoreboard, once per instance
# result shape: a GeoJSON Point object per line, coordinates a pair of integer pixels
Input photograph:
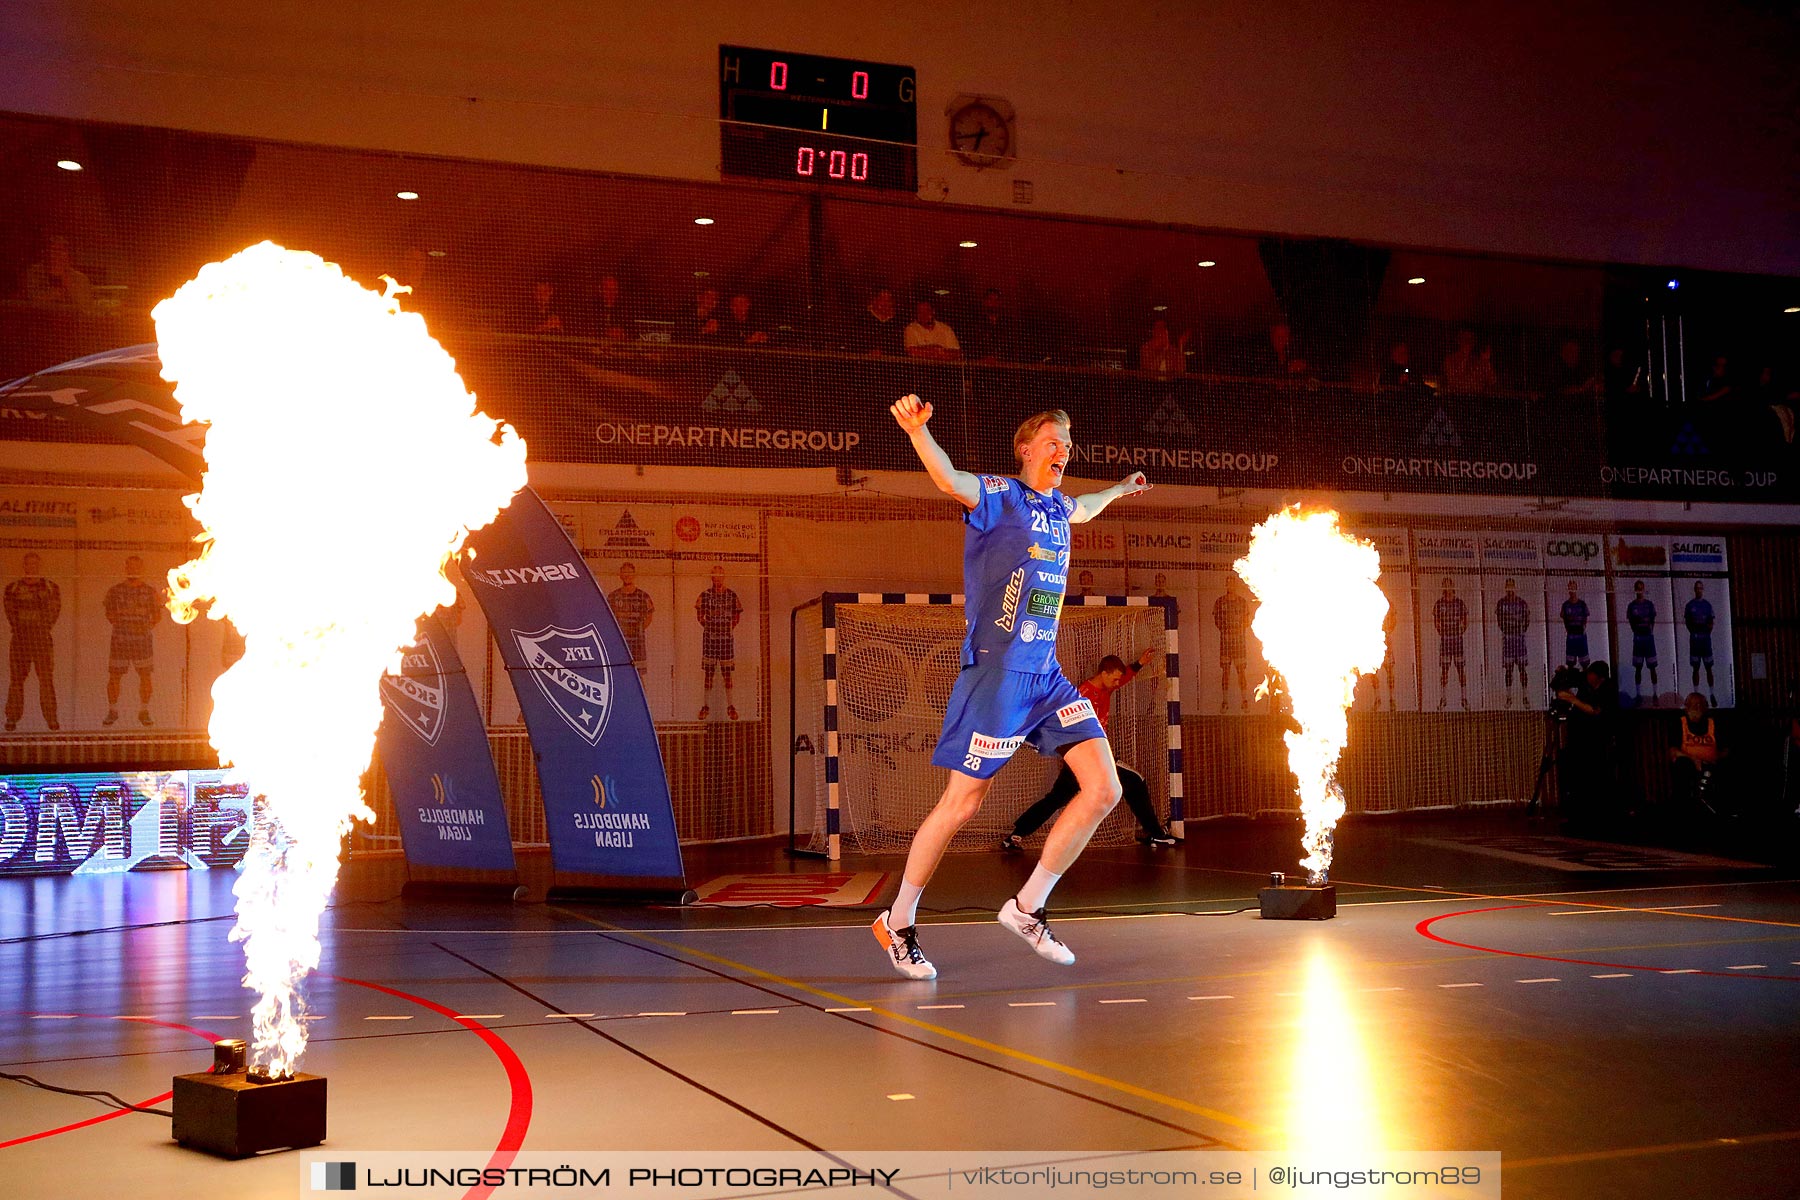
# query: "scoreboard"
{"type": "Point", "coordinates": [805, 118]}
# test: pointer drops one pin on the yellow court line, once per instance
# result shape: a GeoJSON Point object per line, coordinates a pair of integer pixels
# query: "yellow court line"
{"type": "Point", "coordinates": [1720, 1143]}
{"type": "Point", "coordinates": [1117, 1085]}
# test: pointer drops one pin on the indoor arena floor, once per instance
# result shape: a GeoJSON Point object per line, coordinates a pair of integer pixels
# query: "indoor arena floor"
{"type": "Point", "coordinates": [1616, 1023]}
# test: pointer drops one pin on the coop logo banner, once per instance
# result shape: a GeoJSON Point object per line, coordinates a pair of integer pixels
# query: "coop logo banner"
{"type": "Point", "coordinates": [440, 772]}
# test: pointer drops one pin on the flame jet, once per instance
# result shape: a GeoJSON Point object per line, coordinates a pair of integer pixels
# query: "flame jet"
{"type": "Point", "coordinates": [345, 464]}
{"type": "Point", "coordinates": [1319, 615]}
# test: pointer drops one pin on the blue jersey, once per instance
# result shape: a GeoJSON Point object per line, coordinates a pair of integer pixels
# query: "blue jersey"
{"type": "Point", "coordinates": [1641, 616]}
{"type": "Point", "coordinates": [1575, 615]}
{"type": "Point", "coordinates": [1015, 569]}
{"type": "Point", "coordinates": [1699, 615]}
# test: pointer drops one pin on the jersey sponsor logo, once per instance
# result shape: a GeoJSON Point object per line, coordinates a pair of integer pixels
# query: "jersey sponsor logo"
{"type": "Point", "coordinates": [1040, 603]}
{"type": "Point", "coordinates": [570, 668]}
{"type": "Point", "coordinates": [993, 484]}
{"type": "Point", "coordinates": [1061, 581]}
{"type": "Point", "coordinates": [1581, 550]}
{"type": "Point", "coordinates": [1041, 553]}
{"type": "Point", "coordinates": [1058, 530]}
{"type": "Point", "coordinates": [1009, 603]}
{"type": "Point", "coordinates": [1076, 713]}
{"type": "Point", "coordinates": [983, 746]}
{"type": "Point", "coordinates": [1028, 631]}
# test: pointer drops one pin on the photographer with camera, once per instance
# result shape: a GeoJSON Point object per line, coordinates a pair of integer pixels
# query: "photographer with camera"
{"type": "Point", "coordinates": [1592, 709]}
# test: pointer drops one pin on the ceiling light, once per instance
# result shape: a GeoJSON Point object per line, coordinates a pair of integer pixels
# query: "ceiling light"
{"type": "Point", "coordinates": [1416, 279]}
{"type": "Point", "coordinates": [407, 195]}
{"type": "Point", "coordinates": [1673, 284]}
{"type": "Point", "coordinates": [1206, 262]}
{"type": "Point", "coordinates": [941, 292]}
{"type": "Point", "coordinates": [68, 164]}
{"type": "Point", "coordinates": [1792, 308]}
{"type": "Point", "coordinates": [435, 253]}
{"type": "Point", "coordinates": [968, 245]}
{"type": "Point", "coordinates": [703, 220]}
{"type": "Point", "coordinates": [701, 274]}
{"type": "Point", "coordinates": [1160, 308]}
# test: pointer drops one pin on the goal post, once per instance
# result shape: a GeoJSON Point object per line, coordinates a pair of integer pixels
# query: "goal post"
{"type": "Point", "coordinates": [871, 675]}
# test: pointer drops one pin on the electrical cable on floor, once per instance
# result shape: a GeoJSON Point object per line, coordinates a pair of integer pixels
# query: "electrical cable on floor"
{"type": "Point", "coordinates": [103, 1097]}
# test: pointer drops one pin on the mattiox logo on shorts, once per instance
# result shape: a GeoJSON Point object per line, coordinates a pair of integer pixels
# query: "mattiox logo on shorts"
{"type": "Point", "coordinates": [983, 746]}
{"type": "Point", "coordinates": [1076, 713]}
{"type": "Point", "coordinates": [1009, 603]}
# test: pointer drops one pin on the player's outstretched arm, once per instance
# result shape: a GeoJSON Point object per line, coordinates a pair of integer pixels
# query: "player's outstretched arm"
{"type": "Point", "coordinates": [1094, 503]}
{"type": "Point", "coordinates": [913, 413]}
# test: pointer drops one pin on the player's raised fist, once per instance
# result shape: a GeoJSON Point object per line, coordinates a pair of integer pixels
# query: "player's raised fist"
{"type": "Point", "coordinates": [911, 412]}
{"type": "Point", "coordinates": [1134, 484]}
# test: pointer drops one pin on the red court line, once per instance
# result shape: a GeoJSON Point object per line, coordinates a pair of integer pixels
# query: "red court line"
{"type": "Point", "coordinates": [119, 1112]}
{"type": "Point", "coordinates": [1423, 928]}
{"type": "Point", "coordinates": [518, 1115]}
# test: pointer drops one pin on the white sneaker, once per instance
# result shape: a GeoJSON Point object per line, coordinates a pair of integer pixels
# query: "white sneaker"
{"type": "Point", "coordinates": [1035, 929]}
{"type": "Point", "coordinates": [902, 948]}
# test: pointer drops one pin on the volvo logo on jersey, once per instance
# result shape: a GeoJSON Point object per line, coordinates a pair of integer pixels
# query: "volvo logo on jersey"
{"type": "Point", "coordinates": [569, 666]}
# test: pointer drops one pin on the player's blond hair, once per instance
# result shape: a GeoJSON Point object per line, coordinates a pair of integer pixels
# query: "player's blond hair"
{"type": "Point", "coordinates": [1028, 428]}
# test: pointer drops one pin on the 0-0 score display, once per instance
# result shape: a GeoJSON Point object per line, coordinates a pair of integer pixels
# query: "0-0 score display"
{"type": "Point", "coordinates": [806, 118]}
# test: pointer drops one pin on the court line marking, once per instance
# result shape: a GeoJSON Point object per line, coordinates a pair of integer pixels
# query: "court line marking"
{"type": "Point", "coordinates": [1750, 967]}
{"type": "Point", "coordinates": [1423, 929]}
{"type": "Point", "coordinates": [662, 1014]}
{"type": "Point", "coordinates": [1457, 985]}
{"type": "Point", "coordinates": [1588, 912]}
{"type": "Point", "coordinates": [1009, 1004]}
{"type": "Point", "coordinates": [756, 1012]}
{"type": "Point", "coordinates": [987, 1064]}
{"type": "Point", "coordinates": [1614, 975]}
{"type": "Point", "coordinates": [1073, 1072]}
{"type": "Point", "coordinates": [402, 1017]}
{"type": "Point", "coordinates": [1139, 1000]}
{"type": "Point", "coordinates": [1720, 1143]}
{"type": "Point", "coordinates": [1545, 979]}
{"type": "Point", "coordinates": [929, 1007]}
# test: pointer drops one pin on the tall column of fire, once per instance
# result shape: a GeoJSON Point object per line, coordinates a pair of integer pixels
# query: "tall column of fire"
{"type": "Point", "coordinates": [1319, 615]}
{"type": "Point", "coordinates": [345, 464]}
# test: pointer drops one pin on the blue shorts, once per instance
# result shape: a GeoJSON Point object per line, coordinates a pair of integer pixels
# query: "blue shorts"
{"type": "Point", "coordinates": [993, 711]}
{"type": "Point", "coordinates": [1575, 648]}
{"type": "Point", "coordinates": [1643, 648]}
{"type": "Point", "coordinates": [1700, 649]}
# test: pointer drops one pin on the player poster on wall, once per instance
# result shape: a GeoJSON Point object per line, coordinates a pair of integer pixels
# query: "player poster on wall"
{"type": "Point", "coordinates": [641, 595]}
{"type": "Point", "coordinates": [130, 658]}
{"type": "Point", "coordinates": [1446, 574]}
{"type": "Point", "coordinates": [717, 638]}
{"type": "Point", "coordinates": [1395, 687]}
{"type": "Point", "coordinates": [39, 590]}
{"type": "Point", "coordinates": [1702, 589]}
{"type": "Point", "coordinates": [1575, 627]}
{"type": "Point", "coordinates": [1512, 621]}
{"type": "Point", "coordinates": [1644, 607]}
{"type": "Point", "coordinates": [1228, 663]}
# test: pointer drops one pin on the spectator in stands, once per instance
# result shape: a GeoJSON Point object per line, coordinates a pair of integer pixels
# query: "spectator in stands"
{"type": "Point", "coordinates": [1469, 368]}
{"type": "Point", "coordinates": [1570, 375]}
{"type": "Point", "coordinates": [54, 281]}
{"type": "Point", "coordinates": [1161, 355]}
{"type": "Point", "coordinates": [1276, 356]}
{"type": "Point", "coordinates": [1397, 373]}
{"type": "Point", "coordinates": [1624, 381]}
{"type": "Point", "coordinates": [1697, 757]}
{"type": "Point", "coordinates": [740, 328]}
{"type": "Point", "coordinates": [703, 325]}
{"type": "Point", "coordinates": [1084, 584]}
{"type": "Point", "coordinates": [542, 314]}
{"type": "Point", "coordinates": [610, 318]}
{"type": "Point", "coordinates": [992, 339]}
{"type": "Point", "coordinates": [1716, 389]}
{"type": "Point", "coordinates": [928, 337]}
{"type": "Point", "coordinates": [877, 330]}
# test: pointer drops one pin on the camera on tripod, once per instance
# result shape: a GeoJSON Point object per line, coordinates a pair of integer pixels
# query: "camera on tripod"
{"type": "Point", "coordinates": [1566, 679]}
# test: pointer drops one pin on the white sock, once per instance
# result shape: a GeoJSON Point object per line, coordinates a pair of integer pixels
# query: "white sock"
{"type": "Point", "coordinates": [905, 910]}
{"type": "Point", "coordinates": [1036, 892]}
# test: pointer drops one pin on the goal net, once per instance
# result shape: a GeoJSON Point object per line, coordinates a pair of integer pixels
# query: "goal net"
{"type": "Point", "coordinates": [872, 674]}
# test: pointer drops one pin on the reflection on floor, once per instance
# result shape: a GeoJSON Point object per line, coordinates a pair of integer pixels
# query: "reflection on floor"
{"type": "Point", "coordinates": [1616, 1023]}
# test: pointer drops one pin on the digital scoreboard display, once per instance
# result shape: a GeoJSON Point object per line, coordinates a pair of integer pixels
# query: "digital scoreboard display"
{"type": "Point", "coordinates": [803, 118]}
